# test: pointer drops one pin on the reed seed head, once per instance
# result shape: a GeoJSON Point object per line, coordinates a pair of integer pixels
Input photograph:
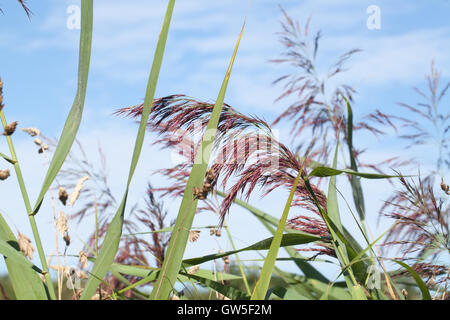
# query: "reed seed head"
{"type": "Point", "coordinates": [194, 269]}
{"type": "Point", "coordinates": [83, 259]}
{"type": "Point", "coordinates": [62, 195]}
{"type": "Point", "coordinates": [194, 235]}
{"type": "Point", "coordinates": [43, 148]}
{"type": "Point", "coordinates": [210, 181]}
{"type": "Point", "coordinates": [10, 128]}
{"type": "Point", "coordinates": [215, 232]}
{"type": "Point", "coordinates": [405, 293]}
{"type": "Point", "coordinates": [76, 193]}
{"type": "Point", "coordinates": [4, 174]}
{"type": "Point", "coordinates": [25, 245]}
{"type": "Point", "coordinates": [61, 223]}
{"type": "Point", "coordinates": [67, 239]}
{"type": "Point", "coordinates": [31, 131]}
{"type": "Point", "coordinates": [445, 187]}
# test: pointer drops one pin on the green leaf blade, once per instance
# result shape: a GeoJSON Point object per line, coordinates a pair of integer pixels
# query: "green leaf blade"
{"type": "Point", "coordinates": [179, 238]}
{"type": "Point", "coordinates": [26, 283]}
{"type": "Point", "coordinates": [114, 232]}
{"type": "Point", "coordinates": [74, 118]}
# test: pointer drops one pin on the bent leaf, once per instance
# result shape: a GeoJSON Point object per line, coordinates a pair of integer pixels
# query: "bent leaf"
{"type": "Point", "coordinates": [112, 238]}
{"type": "Point", "coordinates": [328, 172]}
{"type": "Point", "coordinates": [422, 286]}
{"type": "Point", "coordinates": [74, 118]}
{"type": "Point", "coordinates": [262, 285]}
{"type": "Point", "coordinates": [290, 239]}
{"type": "Point", "coordinates": [25, 281]}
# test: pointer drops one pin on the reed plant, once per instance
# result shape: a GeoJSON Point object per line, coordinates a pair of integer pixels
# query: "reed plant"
{"type": "Point", "coordinates": [228, 156]}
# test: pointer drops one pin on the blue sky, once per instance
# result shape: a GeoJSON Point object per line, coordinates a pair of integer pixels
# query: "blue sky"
{"type": "Point", "coordinates": [38, 62]}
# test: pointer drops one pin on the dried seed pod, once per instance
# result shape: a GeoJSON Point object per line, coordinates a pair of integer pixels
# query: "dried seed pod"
{"type": "Point", "coordinates": [215, 232]}
{"type": "Point", "coordinates": [405, 293]}
{"type": "Point", "coordinates": [207, 186]}
{"type": "Point", "coordinates": [76, 193]}
{"type": "Point", "coordinates": [445, 187]}
{"type": "Point", "coordinates": [62, 195]}
{"type": "Point", "coordinates": [83, 259]}
{"type": "Point", "coordinates": [10, 128]}
{"type": "Point", "coordinates": [202, 193]}
{"type": "Point", "coordinates": [194, 235]}
{"type": "Point", "coordinates": [31, 131]}
{"type": "Point", "coordinates": [210, 175]}
{"type": "Point", "coordinates": [4, 174]}
{"type": "Point", "coordinates": [43, 148]}
{"type": "Point", "coordinates": [25, 245]}
{"type": "Point", "coordinates": [61, 223]}
{"type": "Point", "coordinates": [199, 194]}
{"type": "Point", "coordinates": [194, 269]}
{"type": "Point", "coordinates": [38, 141]}
{"type": "Point", "coordinates": [67, 239]}
{"type": "Point", "coordinates": [225, 259]}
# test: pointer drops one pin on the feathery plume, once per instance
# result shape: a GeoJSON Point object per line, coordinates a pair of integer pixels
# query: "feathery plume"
{"type": "Point", "coordinates": [61, 223]}
{"type": "Point", "coordinates": [32, 131]}
{"type": "Point", "coordinates": [76, 193]}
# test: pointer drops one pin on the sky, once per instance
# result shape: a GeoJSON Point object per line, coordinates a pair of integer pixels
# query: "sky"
{"type": "Point", "coordinates": [38, 64]}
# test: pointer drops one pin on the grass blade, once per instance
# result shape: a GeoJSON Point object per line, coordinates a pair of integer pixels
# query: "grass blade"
{"type": "Point", "coordinates": [358, 195]}
{"type": "Point", "coordinates": [289, 239]}
{"type": "Point", "coordinates": [25, 281]}
{"type": "Point", "coordinates": [422, 286]}
{"type": "Point", "coordinates": [185, 217]}
{"type": "Point", "coordinates": [328, 172]}
{"type": "Point", "coordinates": [112, 237]}
{"type": "Point", "coordinates": [11, 252]}
{"type": "Point", "coordinates": [262, 285]}
{"type": "Point", "coordinates": [7, 158]}
{"type": "Point", "coordinates": [226, 290]}
{"type": "Point", "coordinates": [241, 268]}
{"type": "Point", "coordinates": [268, 221]}
{"type": "Point", "coordinates": [334, 216]}
{"type": "Point", "coordinates": [74, 118]}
